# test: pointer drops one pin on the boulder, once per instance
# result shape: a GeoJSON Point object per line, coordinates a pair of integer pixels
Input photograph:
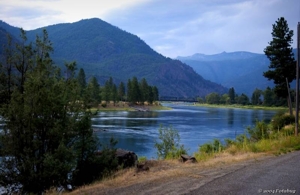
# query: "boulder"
{"type": "Point", "coordinates": [126, 158]}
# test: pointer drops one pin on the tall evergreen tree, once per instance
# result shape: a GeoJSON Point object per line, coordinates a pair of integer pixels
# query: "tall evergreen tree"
{"type": "Point", "coordinates": [282, 62]}
{"type": "Point", "coordinates": [81, 81]}
{"type": "Point", "coordinates": [231, 94]}
{"type": "Point", "coordinates": [121, 91]}
{"type": "Point", "coordinates": [155, 93]}
{"type": "Point", "coordinates": [144, 90]}
{"type": "Point", "coordinates": [93, 91]}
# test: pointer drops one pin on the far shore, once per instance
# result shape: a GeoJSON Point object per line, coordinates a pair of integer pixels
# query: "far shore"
{"type": "Point", "coordinates": [124, 106]}
{"type": "Point", "coordinates": [242, 106]}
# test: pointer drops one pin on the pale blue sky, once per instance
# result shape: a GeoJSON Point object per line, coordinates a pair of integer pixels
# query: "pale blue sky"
{"type": "Point", "coordinates": [171, 27]}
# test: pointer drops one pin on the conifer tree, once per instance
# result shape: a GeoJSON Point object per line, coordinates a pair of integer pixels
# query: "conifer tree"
{"type": "Point", "coordinates": [282, 62]}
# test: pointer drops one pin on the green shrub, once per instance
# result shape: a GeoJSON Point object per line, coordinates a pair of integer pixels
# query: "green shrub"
{"type": "Point", "coordinates": [280, 120]}
{"type": "Point", "coordinates": [169, 147]}
{"type": "Point", "coordinates": [215, 146]}
{"type": "Point", "coordinates": [259, 131]}
{"type": "Point", "coordinates": [142, 159]}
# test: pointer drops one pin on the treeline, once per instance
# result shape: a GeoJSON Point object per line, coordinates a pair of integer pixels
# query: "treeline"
{"type": "Point", "coordinates": [135, 92]}
{"type": "Point", "coordinates": [267, 97]}
{"type": "Point", "coordinates": [47, 139]}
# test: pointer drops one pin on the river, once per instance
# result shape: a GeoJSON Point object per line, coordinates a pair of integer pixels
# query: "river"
{"type": "Point", "coordinates": [138, 131]}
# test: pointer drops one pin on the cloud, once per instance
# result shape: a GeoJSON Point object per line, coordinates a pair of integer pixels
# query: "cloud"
{"type": "Point", "coordinates": [177, 27]}
{"type": "Point", "coordinates": [31, 14]}
{"type": "Point", "coordinates": [207, 27]}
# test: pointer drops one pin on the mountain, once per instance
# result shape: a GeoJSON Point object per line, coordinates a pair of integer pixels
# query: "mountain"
{"type": "Point", "coordinates": [220, 57]}
{"type": "Point", "coordinates": [104, 50]}
{"type": "Point", "coordinates": [241, 70]}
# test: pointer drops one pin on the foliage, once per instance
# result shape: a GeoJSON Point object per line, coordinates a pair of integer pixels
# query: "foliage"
{"type": "Point", "coordinates": [212, 98]}
{"type": "Point", "coordinates": [208, 148]}
{"type": "Point", "coordinates": [169, 146]}
{"type": "Point", "coordinates": [91, 167]}
{"type": "Point", "coordinates": [259, 131]}
{"type": "Point", "coordinates": [231, 94]}
{"type": "Point", "coordinates": [139, 92]}
{"type": "Point", "coordinates": [281, 119]}
{"type": "Point", "coordinates": [92, 92]}
{"type": "Point", "coordinates": [242, 99]}
{"type": "Point", "coordinates": [279, 52]}
{"type": "Point", "coordinates": [47, 135]}
{"type": "Point", "coordinates": [256, 97]}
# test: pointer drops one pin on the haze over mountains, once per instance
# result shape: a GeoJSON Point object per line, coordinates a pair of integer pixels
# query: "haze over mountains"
{"type": "Point", "coordinates": [241, 70]}
{"type": "Point", "coordinates": [104, 50]}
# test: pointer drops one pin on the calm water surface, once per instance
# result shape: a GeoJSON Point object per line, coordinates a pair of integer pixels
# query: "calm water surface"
{"type": "Point", "coordinates": [138, 131]}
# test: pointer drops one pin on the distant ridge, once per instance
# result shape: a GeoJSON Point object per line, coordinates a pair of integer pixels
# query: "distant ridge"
{"type": "Point", "coordinates": [241, 70]}
{"type": "Point", "coordinates": [106, 51]}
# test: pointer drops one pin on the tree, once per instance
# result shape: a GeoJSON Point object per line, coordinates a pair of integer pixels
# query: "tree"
{"type": "Point", "coordinates": [121, 91]}
{"type": "Point", "coordinates": [155, 93]}
{"type": "Point", "coordinates": [255, 99]}
{"type": "Point", "coordinates": [114, 93]}
{"type": "Point", "coordinates": [93, 92]}
{"type": "Point", "coordinates": [243, 99]}
{"type": "Point", "coordinates": [47, 134]}
{"type": "Point", "coordinates": [282, 63]}
{"type": "Point", "coordinates": [231, 94]}
{"type": "Point", "coordinates": [81, 81]}
{"type": "Point", "coordinates": [212, 98]}
{"type": "Point", "coordinates": [144, 90]}
{"type": "Point", "coordinates": [225, 99]}
{"type": "Point", "coordinates": [268, 97]}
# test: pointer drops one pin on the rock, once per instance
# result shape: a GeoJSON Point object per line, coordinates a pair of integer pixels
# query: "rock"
{"type": "Point", "coordinates": [126, 158]}
{"type": "Point", "coordinates": [188, 159]}
{"type": "Point", "coordinates": [142, 167]}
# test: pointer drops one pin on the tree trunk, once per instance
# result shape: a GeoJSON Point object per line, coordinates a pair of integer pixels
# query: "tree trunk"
{"type": "Point", "coordinates": [289, 97]}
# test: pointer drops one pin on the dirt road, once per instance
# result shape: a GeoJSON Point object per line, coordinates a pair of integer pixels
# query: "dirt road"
{"type": "Point", "coordinates": [256, 175]}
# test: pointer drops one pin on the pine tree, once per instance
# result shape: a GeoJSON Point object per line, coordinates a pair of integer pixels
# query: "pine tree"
{"type": "Point", "coordinates": [231, 94]}
{"type": "Point", "coordinates": [121, 91]}
{"type": "Point", "coordinates": [82, 81]}
{"type": "Point", "coordinates": [282, 62]}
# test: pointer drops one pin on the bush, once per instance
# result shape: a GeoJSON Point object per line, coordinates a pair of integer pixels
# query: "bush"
{"type": "Point", "coordinates": [208, 148]}
{"type": "Point", "coordinates": [259, 131]}
{"type": "Point", "coordinates": [280, 120]}
{"type": "Point", "coordinates": [169, 147]}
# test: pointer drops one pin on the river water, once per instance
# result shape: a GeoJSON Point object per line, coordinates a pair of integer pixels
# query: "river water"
{"type": "Point", "coordinates": [138, 131]}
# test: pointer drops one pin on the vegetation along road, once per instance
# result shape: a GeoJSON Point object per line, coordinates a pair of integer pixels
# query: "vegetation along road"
{"type": "Point", "coordinates": [259, 175]}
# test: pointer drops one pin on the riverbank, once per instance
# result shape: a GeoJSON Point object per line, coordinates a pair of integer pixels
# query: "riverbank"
{"type": "Point", "coordinates": [176, 177]}
{"type": "Point", "coordinates": [124, 106]}
{"type": "Point", "coordinates": [254, 107]}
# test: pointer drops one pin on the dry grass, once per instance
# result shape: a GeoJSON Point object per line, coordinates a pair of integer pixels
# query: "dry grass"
{"type": "Point", "coordinates": [163, 171]}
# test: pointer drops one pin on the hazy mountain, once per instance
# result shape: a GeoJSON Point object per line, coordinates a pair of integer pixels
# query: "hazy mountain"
{"type": "Point", "coordinates": [219, 57]}
{"type": "Point", "coordinates": [241, 70]}
{"type": "Point", "coordinates": [104, 50]}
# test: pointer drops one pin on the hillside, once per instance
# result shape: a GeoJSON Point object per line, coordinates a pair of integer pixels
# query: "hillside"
{"type": "Point", "coordinates": [104, 50]}
{"type": "Point", "coordinates": [241, 70]}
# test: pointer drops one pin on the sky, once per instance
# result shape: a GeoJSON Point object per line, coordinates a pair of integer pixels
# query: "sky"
{"type": "Point", "coordinates": [171, 27]}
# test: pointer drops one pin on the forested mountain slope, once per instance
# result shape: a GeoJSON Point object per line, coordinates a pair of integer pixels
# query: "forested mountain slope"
{"type": "Point", "coordinates": [106, 51]}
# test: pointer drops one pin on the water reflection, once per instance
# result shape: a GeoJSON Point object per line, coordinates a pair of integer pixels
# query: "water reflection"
{"type": "Point", "coordinates": [138, 131]}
